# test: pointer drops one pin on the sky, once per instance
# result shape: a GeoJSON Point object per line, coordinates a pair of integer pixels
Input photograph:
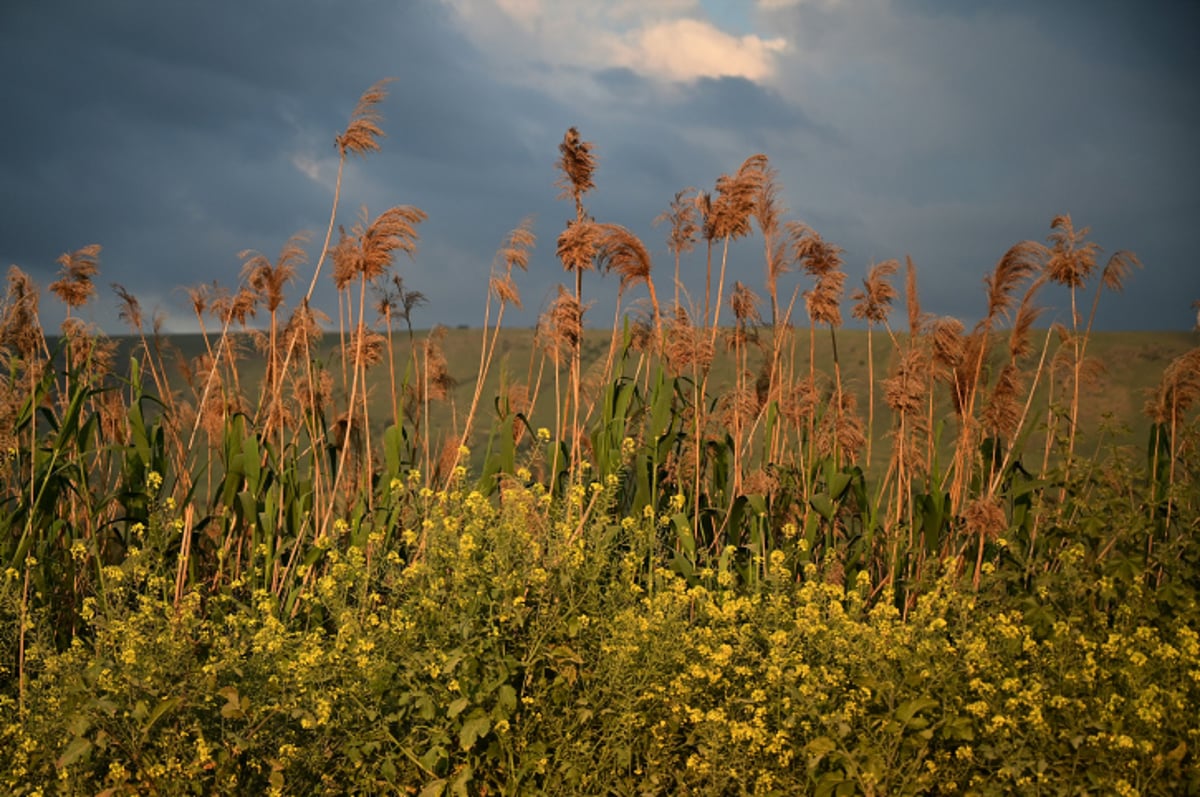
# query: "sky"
{"type": "Point", "coordinates": [177, 135]}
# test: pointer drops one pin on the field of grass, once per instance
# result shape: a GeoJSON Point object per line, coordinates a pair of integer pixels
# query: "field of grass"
{"type": "Point", "coordinates": [1127, 365]}
{"type": "Point", "coordinates": [730, 549]}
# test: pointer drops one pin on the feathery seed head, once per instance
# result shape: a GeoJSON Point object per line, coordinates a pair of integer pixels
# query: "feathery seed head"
{"type": "Point", "coordinates": [363, 132]}
{"type": "Point", "coordinates": [74, 285]}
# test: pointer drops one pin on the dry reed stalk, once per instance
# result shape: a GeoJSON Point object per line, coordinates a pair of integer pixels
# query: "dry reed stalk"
{"type": "Point", "coordinates": [996, 478]}
{"type": "Point", "coordinates": [130, 311]}
{"type": "Point", "coordinates": [704, 208]}
{"type": "Point", "coordinates": [1001, 416]}
{"type": "Point", "coordinates": [873, 304]}
{"type": "Point", "coordinates": [360, 137]}
{"type": "Point", "coordinates": [1112, 278]}
{"type": "Point", "coordinates": [1019, 263]}
{"type": "Point", "coordinates": [268, 281]}
{"type": "Point", "coordinates": [984, 518]}
{"type": "Point", "coordinates": [365, 255]}
{"type": "Point", "coordinates": [565, 332]}
{"type": "Point", "coordinates": [777, 250]}
{"type": "Point", "coordinates": [1177, 392]}
{"type": "Point", "coordinates": [513, 254]}
{"type": "Point", "coordinates": [729, 216]}
{"type": "Point", "coordinates": [819, 259]}
{"type": "Point", "coordinates": [619, 250]}
{"type": "Point", "coordinates": [744, 304]}
{"type": "Point", "coordinates": [394, 299]}
{"type": "Point", "coordinates": [1070, 260]}
{"type": "Point", "coordinates": [822, 261]}
{"type": "Point", "coordinates": [682, 216]}
{"type": "Point", "coordinates": [576, 245]}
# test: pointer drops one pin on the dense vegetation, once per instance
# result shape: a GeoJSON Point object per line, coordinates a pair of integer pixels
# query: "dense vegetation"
{"type": "Point", "coordinates": [632, 578]}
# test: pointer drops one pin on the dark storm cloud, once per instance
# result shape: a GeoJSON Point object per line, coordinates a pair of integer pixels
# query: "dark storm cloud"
{"type": "Point", "coordinates": [972, 125]}
{"type": "Point", "coordinates": [167, 132]}
{"type": "Point", "coordinates": [177, 135]}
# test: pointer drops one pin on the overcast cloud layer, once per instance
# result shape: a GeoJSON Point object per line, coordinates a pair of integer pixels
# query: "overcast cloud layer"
{"type": "Point", "coordinates": [178, 134]}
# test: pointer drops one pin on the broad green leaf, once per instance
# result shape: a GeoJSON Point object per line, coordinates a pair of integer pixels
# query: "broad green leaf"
{"type": "Point", "coordinates": [475, 728]}
{"type": "Point", "coordinates": [910, 708]}
{"type": "Point", "coordinates": [457, 707]}
{"type": "Point", "coordinates": [506, 698]}
{"type": "Point", "coordinates": [824, 505]}
{"type": "Point", "coordinates": [434, 788]}
{"type": "Point", "coordinates": [77, 749]}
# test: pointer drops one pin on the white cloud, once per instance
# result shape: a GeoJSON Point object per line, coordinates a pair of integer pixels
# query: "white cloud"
{"type": "Point", "coordinates": [776, 5]}
{"type": "Point", "coordinates": [307, 165]}
{"type": "Point", "coordinates": [686, 49]}
{"type": "Point", "coordinates": [668, 40]}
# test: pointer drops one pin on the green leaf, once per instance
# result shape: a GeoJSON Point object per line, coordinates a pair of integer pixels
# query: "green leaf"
{"type": "Point", "coordinates": [817, 749]}
{"type": "Point", "coordinates": [251, 462]}
{"type": "Point", "coordinates": [164, 705]}
{"type": "Point", "coordinates": [824, 505]}
{"type": "Point", "coordinates": [460, 784]}
{"type": "Point", "coordinates": [457, 707]}
{"type": "Point", "coordinates": [910, 708]}
{"type": "Point", "coordinates": [392, 449]}
{"type": "Point", "coordinates": [506, 698]}
{"type": "Point", "coordinates": [235, 707]}
{"type": "Point", "coordinates": [475, 728]}
{"type": "Point", "coordinates": [838, 483]}
{"type": "Point", "coordinates": [77, 749]}
{"type": "Point", "coordinates": [434, 788]}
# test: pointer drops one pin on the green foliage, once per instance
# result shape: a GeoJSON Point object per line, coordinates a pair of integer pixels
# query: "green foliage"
{"type": "Point", "coordinates": [508, 647]}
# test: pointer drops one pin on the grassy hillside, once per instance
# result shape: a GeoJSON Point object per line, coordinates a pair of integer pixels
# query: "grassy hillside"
{"type": "Point", "coordinates": [1127, 366]}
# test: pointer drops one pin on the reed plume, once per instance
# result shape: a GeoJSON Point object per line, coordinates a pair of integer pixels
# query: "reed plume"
{"type": "Point", "coordinates": [1178, 389]}
{"type": "Point", "coordinates": [1019, 262]}
{"type": "Point", "coordinates": [682, 215]}
{"type": "Point", "coordinates": [129, 309]}
{"type": "Point", "coordinates": [364, 130]}
{"type": "Point", "coordinates": [686, 347]}
{"type": "Point", "coordinates": [621, 251]}
{"type": "Point", "coordinates": [823, 261]}
{"type": "Point", "coordinates": [268, 281]}
{"type": "Point", "coordinates": [1071, 258]}
{"type": "Point", "coordinates": [912, 299]}
{"type": "Point", "coordinates": [873, 304]}
{"type": "Point", "coordinates": [360, 137]}
{"type": "Point", "coordinates": [20, 329]}
{"type": "Point", "coordinates": [393, 299]}
{"type": "Point", "coordinates": [778, 254]}
{"type": "Point", "coordinates": [730, 213]}
{"type": "Point", "coordinates": [74, 285]}
{"type": "Point", "coordinates": [366, 254]}
{"type": "Point", "coordinates": [577, 164]}
{"type": "Point", "coordinates": [565, 321]}
{"type": "Point", "coordinates": [576, 246]}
